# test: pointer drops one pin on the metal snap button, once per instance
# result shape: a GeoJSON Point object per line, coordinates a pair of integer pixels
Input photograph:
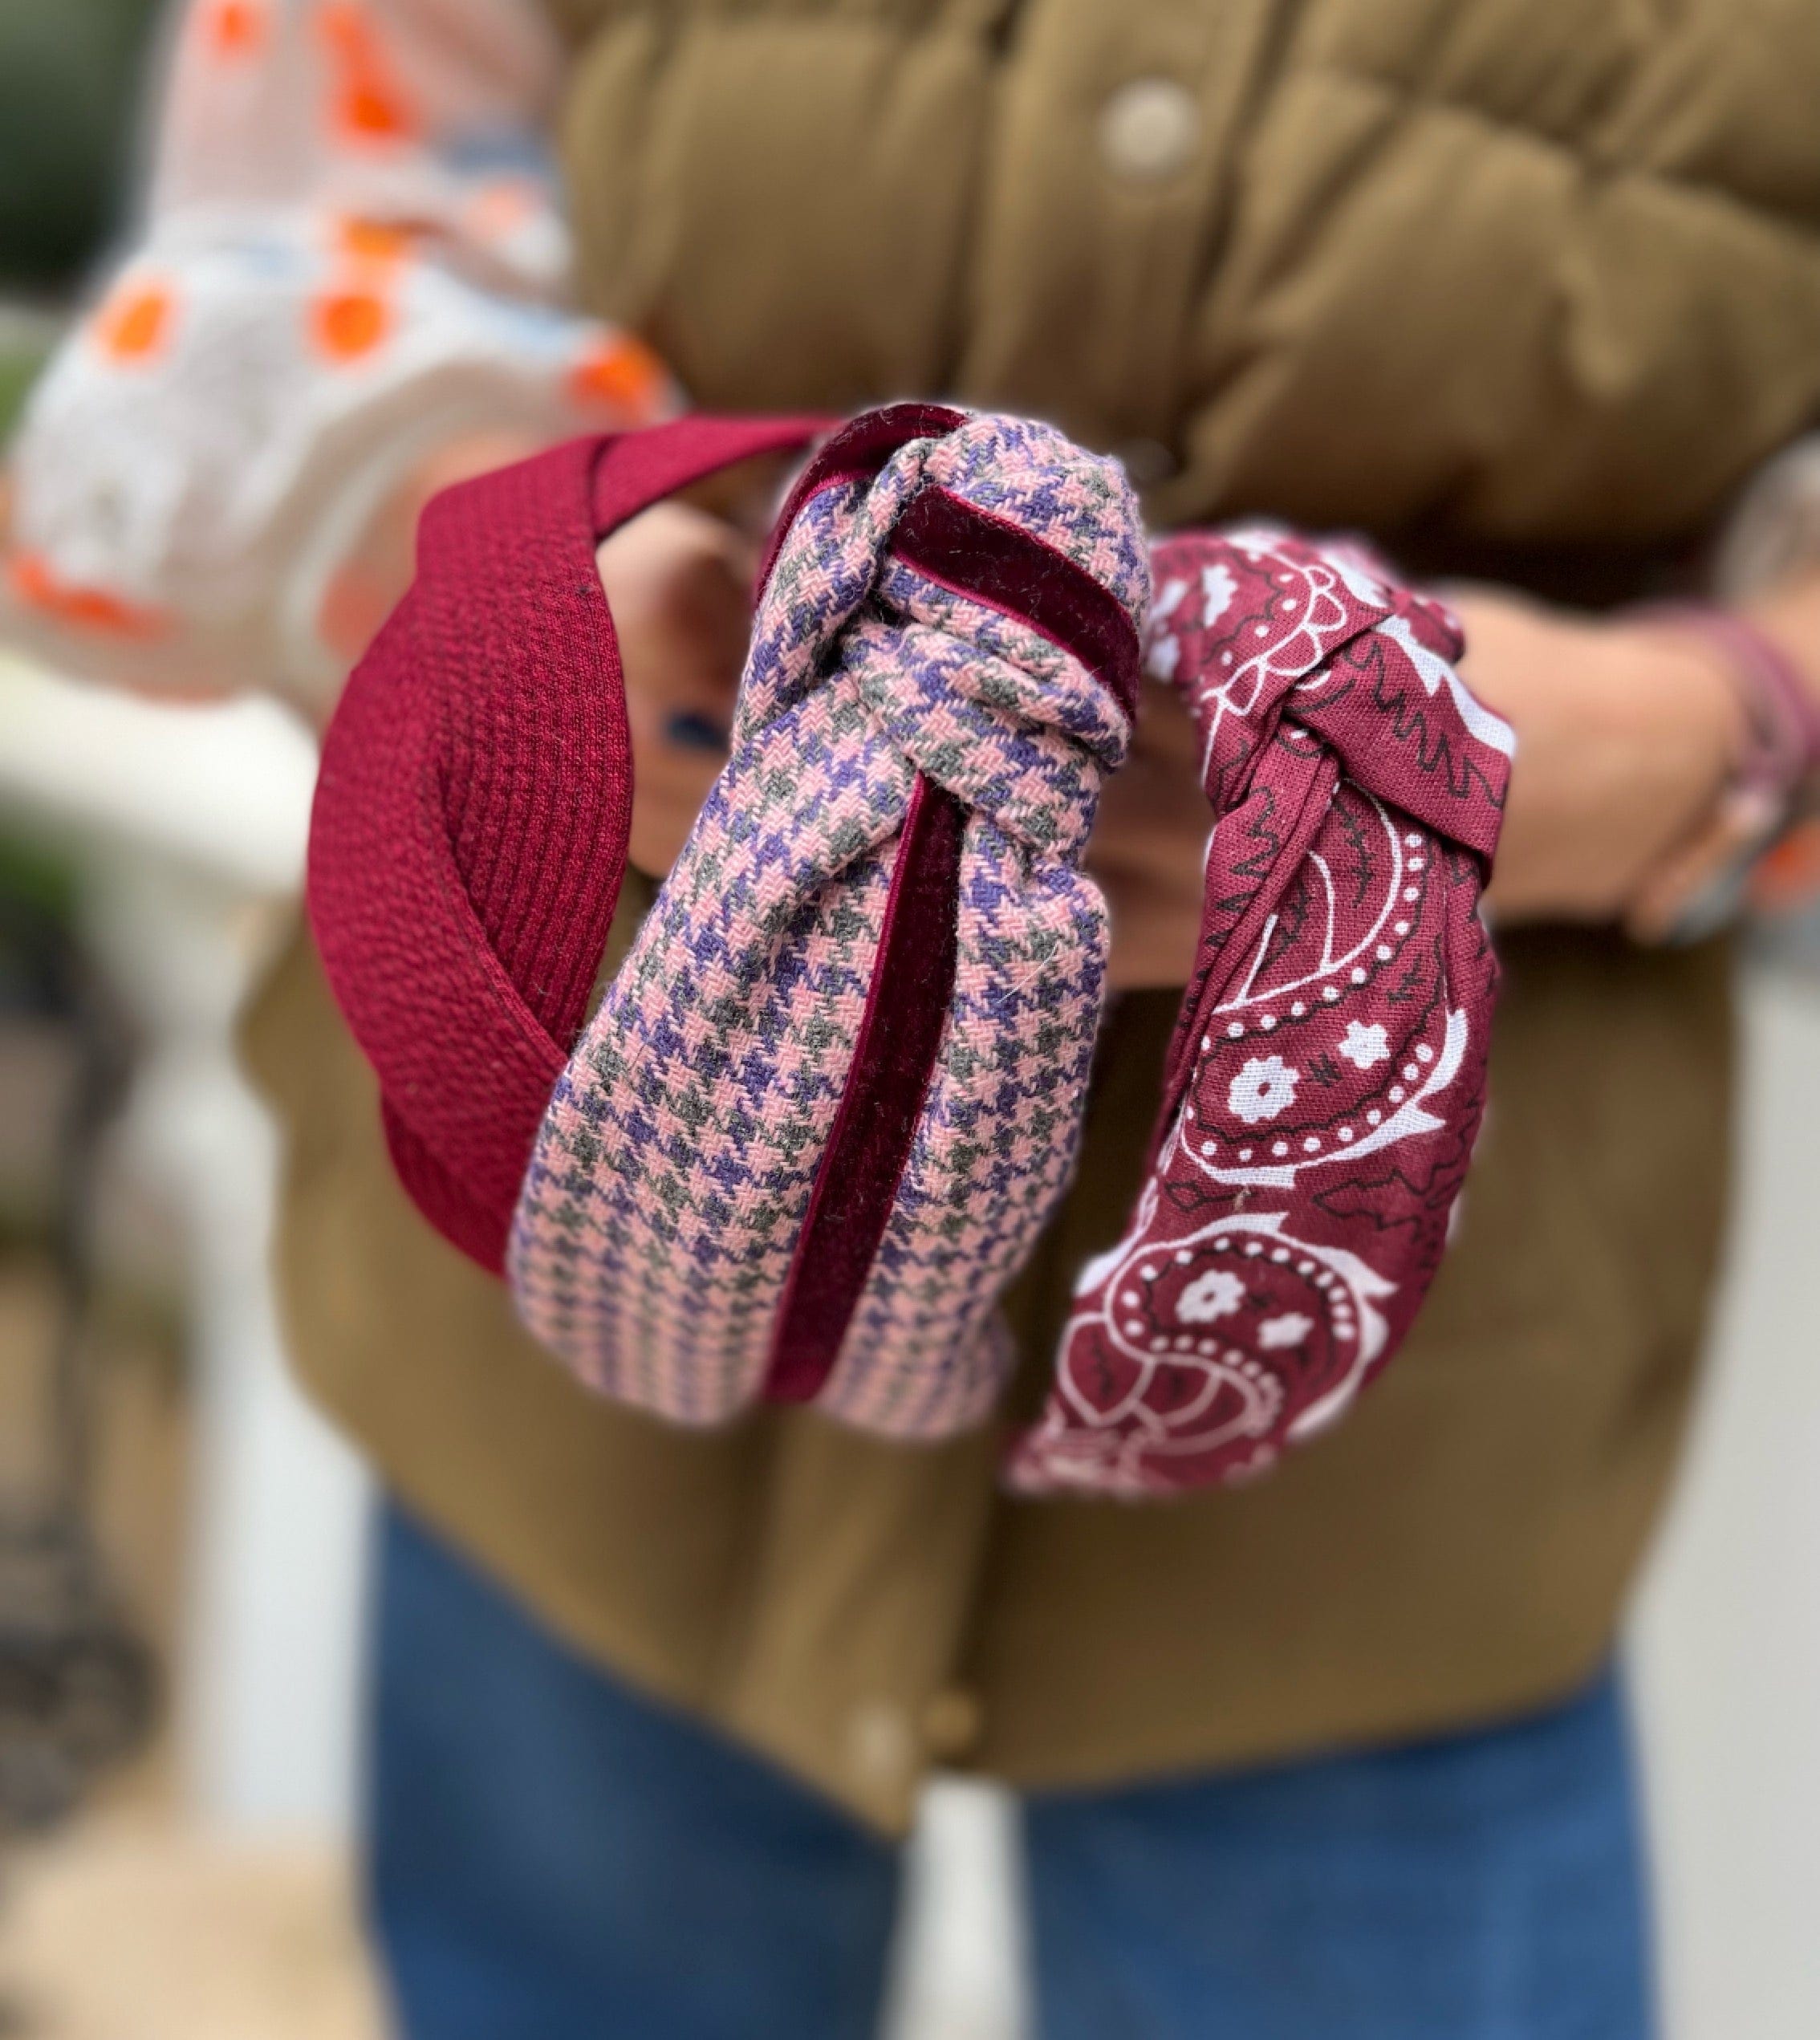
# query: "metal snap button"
{"type": "Point", "coordinates": [1150, 128]}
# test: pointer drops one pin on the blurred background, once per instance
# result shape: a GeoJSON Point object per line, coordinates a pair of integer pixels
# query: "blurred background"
{"type": "Point", "coordinates": [181, 1538]}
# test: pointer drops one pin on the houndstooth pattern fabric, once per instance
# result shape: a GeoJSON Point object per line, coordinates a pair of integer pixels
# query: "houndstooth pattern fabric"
{"type": "Point", "coordinates": [673, 1171]}
{"type": "Point", "coordinates": [1327, 1080]}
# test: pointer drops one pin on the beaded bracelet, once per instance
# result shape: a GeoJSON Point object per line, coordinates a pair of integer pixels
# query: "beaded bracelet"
{"type": "Point", "coordinates": [1764, 812]}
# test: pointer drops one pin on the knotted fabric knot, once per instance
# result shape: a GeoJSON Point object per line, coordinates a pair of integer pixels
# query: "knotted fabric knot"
{"type": "Point", "coordinates": [836, 1088]}
{"type": "Point", "coordinates": [1327, 1080]}
{"type": "Point", "coordinates": [1258, 627]}
{"type": "Point", "coordinates": [864, 600]}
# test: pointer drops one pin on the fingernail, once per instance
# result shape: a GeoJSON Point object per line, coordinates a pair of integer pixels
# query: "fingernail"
{"type": "Point", "coordinates": [694, 731]}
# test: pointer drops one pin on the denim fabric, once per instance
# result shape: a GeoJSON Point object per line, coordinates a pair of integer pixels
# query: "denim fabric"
{"type": "Point", "coordinates": [1481, 1887]}
{"type": "Point", "coordinates": [551, 1858]}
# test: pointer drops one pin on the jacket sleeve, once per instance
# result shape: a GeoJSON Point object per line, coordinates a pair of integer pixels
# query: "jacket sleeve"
{"type": "Point", "coordinates": [351, 255]}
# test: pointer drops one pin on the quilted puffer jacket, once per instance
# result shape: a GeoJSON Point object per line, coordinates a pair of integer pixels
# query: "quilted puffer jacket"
{"type": "Point", "coordinates": [1523, 286]}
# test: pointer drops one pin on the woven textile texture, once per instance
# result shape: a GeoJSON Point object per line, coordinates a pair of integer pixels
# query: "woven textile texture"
{"type": "Point", "coordinates": [469, 834]}
{"type": "Point", "coordinates": [675, 1172]}
{"type": "Point", "coordinates": [1327, 1080]}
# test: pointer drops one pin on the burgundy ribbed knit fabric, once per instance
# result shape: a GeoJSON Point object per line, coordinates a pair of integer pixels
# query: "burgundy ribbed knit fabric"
{"type": "Point", "coordinates": [469, 830]}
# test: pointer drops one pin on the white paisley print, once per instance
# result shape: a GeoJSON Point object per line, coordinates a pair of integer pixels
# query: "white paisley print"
{"type": "Point", "coordinates": [1327, 1077]}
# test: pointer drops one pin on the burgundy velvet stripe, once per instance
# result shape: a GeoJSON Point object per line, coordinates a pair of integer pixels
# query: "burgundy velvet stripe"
{"type": "Point", "coordinates": [978, 555]}
{"type": "Point", "coordinates": [981, 556]}
{"type": "Point", "coordinates": [906, 1008]}
{"type": "Point", "coordinates": [856, 452]}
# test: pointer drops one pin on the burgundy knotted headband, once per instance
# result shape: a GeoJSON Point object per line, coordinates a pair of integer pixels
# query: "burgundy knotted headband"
{"type": "Point", "coordinates": [1327, 1080]}
{"type": "Point", "coordinates": [947, 629]}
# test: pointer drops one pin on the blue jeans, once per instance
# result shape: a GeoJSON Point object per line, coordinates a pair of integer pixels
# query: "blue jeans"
{"type": "Point", "coordinates": [552, 1857]}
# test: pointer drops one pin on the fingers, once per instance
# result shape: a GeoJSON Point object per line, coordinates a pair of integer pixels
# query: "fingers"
{"type": "Point", "coordinates": [1148, 847]}
{"type": "Point", "coordinates": [678, 581]}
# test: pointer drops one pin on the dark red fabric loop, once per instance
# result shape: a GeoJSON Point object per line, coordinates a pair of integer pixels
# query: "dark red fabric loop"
{"type": "Point", "coordinates": [970, 550]}
{"type": "Point", "coordinates": [468, 835]}
{"type": "Point", "coordinates": [893, 1058]}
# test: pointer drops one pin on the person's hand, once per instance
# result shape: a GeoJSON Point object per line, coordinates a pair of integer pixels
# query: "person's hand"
{"type": "Point", "coordinates": [1626, 732]}
{"type": "Point", "coordinates": [679, 584]}
{"type": "Point", "coordinates": [1149, 845]}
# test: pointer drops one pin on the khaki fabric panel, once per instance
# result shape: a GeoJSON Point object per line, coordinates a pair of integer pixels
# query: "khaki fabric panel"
{"type": "Point", "coordinates": [1665, 296]}
{"type": "Point", "coordinates": [1369, 345]}
{"type": "Point", "coordinates": [1552, 69]}
{"type": "Point", "coordinates": [1605, 1156]}
{"type": "Point", "coordinates": [1727, 101]}
{"type": "Point", "coordinates": [1718, 93]}
{"type": "Point", "coordinates": [862, 1557]}
{"type": "Point", "coordinates": [1456, 1549]}
{"type": "Point", "coordinates": [605, 139]}
{"type": "Point", "coordinates": [779, 208]}
{"type": "Point", "coordinates": [1083, 279]}
{"type": "Point", "coordinates": [1421, 318]}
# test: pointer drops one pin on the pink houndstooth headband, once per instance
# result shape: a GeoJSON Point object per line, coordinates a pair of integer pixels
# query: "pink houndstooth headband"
{"type": "Point", "coordinates": [835, 1089]}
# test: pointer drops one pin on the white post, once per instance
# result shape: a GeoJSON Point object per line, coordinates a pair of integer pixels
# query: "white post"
{"type": "Point", "coordinates": [190, 823]}
{"type": "Point", "coordinates": [1725, 1646]}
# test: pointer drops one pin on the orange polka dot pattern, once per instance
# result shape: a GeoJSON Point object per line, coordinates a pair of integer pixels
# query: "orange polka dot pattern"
{"type": "Point", "coordinates": [352, 259]}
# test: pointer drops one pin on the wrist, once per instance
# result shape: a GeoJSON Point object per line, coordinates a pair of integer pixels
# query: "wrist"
{"type": "Point", "coordinates": [1771, 762]}
{"type": "Point", "coordinates": [1678, 696]}
{"type": "Point", "coordinates": [1671, 722]}
{"type": "Point", "coordinates": [1788, 616]}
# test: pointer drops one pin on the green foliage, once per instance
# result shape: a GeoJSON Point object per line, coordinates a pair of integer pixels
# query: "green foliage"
{"type": "Point", "coordinates": [19, 362]}
{"type": "Point", "coordinates": [37, 880]}
{"type": "Point", "coordinates": [71, 74]}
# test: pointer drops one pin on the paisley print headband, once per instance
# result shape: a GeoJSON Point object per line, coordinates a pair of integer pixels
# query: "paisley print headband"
{"type": "Point", "coordinates": [1326, 1078]}
{"type": "Point", "coordinates": [836, 1088]}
